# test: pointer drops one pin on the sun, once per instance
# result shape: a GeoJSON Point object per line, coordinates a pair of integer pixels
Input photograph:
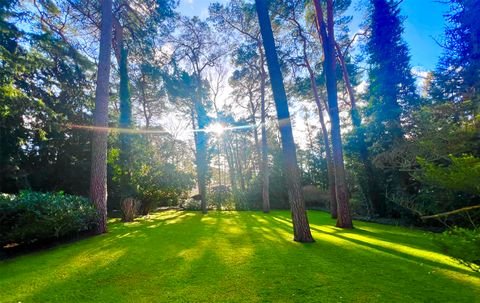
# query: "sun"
{"type": "Point", "coordinates": [216, 128]}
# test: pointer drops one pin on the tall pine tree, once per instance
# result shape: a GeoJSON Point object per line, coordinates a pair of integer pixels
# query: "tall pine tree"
{"type": "Point", "coordinates": [391, 90]}
{"type": "Point", "coordinates": [457, 77]}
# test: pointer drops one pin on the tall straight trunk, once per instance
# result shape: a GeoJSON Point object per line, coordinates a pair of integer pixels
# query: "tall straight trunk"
{"type": "Point", "coordinates": [301, 227]}
{"type": "Point", "coordinates": [258, 151]}
{"type": "Point", "coordinates": [264, 166]}
{"type": "Point", "coordinates": [326, 35]}
{"type": "Point", "coordinates": [98, 174]}
{"type": "Point", "coordinates": [231, 165]}
{"type": "Point", "coordinates": [201, 154]}
{"type": "Point", "coordinates": [370, 185]}
{"type": "Point", "coordinates": [326, 141]}
{"type": "Point", "coordinates": [201, 138]}
{"type": "Point", "coordinates": [125, 119]}
{"type": "Point", "coordinates": [125, 122]}
{"type": "Point", "coordinates": [238, 160]}
{"type": "Point", "coordinates": [330, 166]}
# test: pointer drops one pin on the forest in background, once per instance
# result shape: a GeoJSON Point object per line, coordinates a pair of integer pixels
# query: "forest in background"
{"type": "Point", "coordinates": [191, 109]}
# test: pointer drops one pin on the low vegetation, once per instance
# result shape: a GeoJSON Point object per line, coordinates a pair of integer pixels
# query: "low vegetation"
{"type": "Point", "coordinates": [240, 257]}
{"type": "Point", "coordinates": [32, 217]}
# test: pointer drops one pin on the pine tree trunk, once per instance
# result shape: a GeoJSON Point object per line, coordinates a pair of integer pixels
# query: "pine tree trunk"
{"type": "Point", "coordinates": [330, 166]}
{"type": "Point", "coordinates": [370, 185]}
{"type": "Point", "coordinates": [264, 166]}
{"type": "Point", "coordinates": [344, 218]}
{"type": "Point", "coordinates": [301, 227]}
{"type": "Point", "coordinates": [231, 166]}
{"type": "Point", "coordinates": [125, 122]}
{"type": "Point", "coordinates": [98, 174]}
{"type": "Point", "coordinates": [201, 155]}
{"type": "Point", "coordinates": [326, 141]}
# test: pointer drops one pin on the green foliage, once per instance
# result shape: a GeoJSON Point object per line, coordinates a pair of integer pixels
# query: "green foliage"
{"type": "Point", "coordinates": [391, 91]}
{"type": "Point", "coordinates": [44, 86]}
{"type": "Point", "coordinates": [38, 217]}
{"type": "Point", "coordinates": [221, 197]}
{"type": "Point", "coordinates": [162, 185]}
{"type": "Point", "coordinates": [462, 244]}
{"type": "Point", "coordinates": [459, 174]}
{"type": "Point", "coordinates": [155, 181]}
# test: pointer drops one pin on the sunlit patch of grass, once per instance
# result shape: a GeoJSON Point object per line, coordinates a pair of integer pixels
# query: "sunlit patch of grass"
{"type": "Point", "coordinates": [240, 257]}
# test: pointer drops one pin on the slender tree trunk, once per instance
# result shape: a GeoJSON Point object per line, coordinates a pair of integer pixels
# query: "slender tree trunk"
{"type": "Point", "coordinates": [370, 185]}
{"type": "Point", "coordinates": [125, 123]}
{"type": "Point", "coordinates": [239, 166]}
{"type": "Point", "coordinates": [201, 155]}
{"type": "Point", "coordinates": [201, 140]}
{"type": "Point", "coordinates": [258, 152]}
{"type": "Point", "coordinates": [231, 166]}
{"type": "Point", "coordinates": [330, 166]}
{"type": "Point", "coordinates": [301, 227]}
{"type": "Point", "coordinates": [146, 113]}
{"type": "Point", "coordinates": [344, 218]}
{"type": "Point", "coordinates": [98, 174]}
{"type": "Point", "coordinates": [264, 165]}
{"type": "Point", "coordinates": [125, 119]}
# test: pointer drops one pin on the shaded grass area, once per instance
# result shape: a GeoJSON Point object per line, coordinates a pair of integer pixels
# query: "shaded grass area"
{"type": "Point", "coordinates": [240, 257]}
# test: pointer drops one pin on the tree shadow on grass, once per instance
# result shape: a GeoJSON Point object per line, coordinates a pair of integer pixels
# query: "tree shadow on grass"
{"type": "Point", "coordinates": [181, 264]}
{"type": "Point", "coordinates": [389, 237]}
{"type": "Point", "coordinates": [225, 256]}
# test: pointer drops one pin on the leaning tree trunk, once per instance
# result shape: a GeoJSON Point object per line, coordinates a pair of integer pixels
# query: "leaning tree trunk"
{"type": "Point", "coordinates": [98, 174]}
{"type": "Point", "coordinates": [301, 227]}
{"type": "Point", "coordinates": [344, 218]}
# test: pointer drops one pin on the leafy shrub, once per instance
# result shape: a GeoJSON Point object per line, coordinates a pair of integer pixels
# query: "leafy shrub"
{"type": "Point", "coordinates": [459, 174]}
{"type": "Point", "coordinates": [221, 197]}
{"type": "Point", "coordinates": [154, 182]}
{"type": "Point", "coordinates": [462, 244]}
{"type": "Point", "coordinates": [31, 216]}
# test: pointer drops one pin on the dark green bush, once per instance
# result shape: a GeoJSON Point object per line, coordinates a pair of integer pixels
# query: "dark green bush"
{"type": "Point", "coordinates": [462, 244]}
{"type": "Point", "coordinates": [40, 217]}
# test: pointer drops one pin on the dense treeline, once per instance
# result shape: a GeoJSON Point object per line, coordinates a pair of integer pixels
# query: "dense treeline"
{"type": "Point", "coordinates": [196, 108]}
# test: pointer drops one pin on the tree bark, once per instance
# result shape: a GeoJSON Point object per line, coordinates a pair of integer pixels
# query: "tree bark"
{"type": "Point", "coordinates": [264, 166]}
{"type": "Point", "coordinates": [370, 185]}
{"type": "Point", "coordinates": [201, 154]}
{"type": "Point", "coordinates": [238, 160]}
{"type": "Point", "coordinates": [301, 227]}
{"type": "Point", "coordinates": [231, 164]}
{"type": "Point", "coordinates": [344, 218]}
{"type": "Point", "coordinates": [98, 174]}
{"type": "Point", "coordinates": [316, 96]}
{"type": "Point", "coordinates": [330, 166]}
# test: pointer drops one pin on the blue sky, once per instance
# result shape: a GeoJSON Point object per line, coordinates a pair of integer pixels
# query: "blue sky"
{"type": "Point", "coordinates": [424, 22]}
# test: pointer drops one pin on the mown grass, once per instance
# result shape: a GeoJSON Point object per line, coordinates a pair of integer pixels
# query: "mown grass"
{"type": "Point", "coordinates": [240, 257]}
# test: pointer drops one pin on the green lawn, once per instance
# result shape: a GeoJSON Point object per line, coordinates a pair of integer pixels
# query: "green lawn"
{"type": "Point", "coordinates": [240, 257]}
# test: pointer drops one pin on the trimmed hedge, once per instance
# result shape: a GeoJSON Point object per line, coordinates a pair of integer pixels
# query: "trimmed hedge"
{"type": "Point", "coordinates": [41, 217]}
